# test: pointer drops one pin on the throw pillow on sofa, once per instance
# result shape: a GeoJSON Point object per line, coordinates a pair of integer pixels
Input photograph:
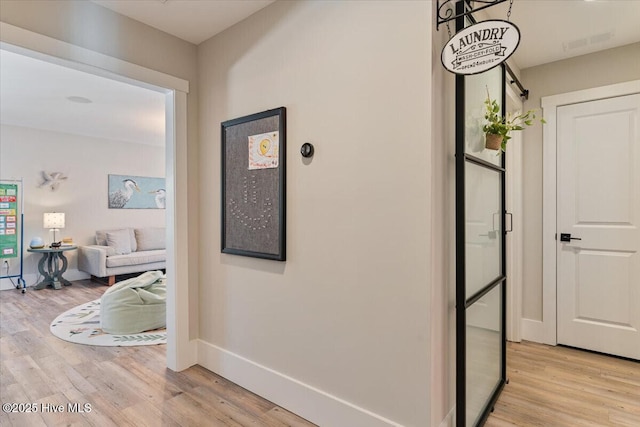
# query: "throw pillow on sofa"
{"type": "Point", "coordinates": [119, 241]}
{"type": "Point", "coordinates": [101, 237]}
{"type": "Point", "coordinates": [151, 238]}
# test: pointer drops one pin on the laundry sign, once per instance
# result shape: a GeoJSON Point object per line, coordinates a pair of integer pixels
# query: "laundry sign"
{"type": "Point", "coordinates": [480, 47]}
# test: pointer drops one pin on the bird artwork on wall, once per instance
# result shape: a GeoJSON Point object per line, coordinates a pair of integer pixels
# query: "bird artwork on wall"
{"type": "Point", "coordinates": [51, 180]}
{"type": "Point", "coordinates": [136, 192]}
{"type": "Point", "coordinates": [161, 197]}
{"type": "Point", "coordinates": [120, 197]}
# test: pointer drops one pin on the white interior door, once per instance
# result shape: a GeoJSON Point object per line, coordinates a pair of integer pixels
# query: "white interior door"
{"type": "Point", "coordinates": [598, 282]}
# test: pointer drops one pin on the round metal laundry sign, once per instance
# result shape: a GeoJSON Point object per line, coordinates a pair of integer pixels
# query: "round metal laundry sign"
{"type": "Point", "coordinates": [480, 47]}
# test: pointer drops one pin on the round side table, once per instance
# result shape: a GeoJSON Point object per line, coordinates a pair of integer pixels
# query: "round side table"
{"type": "Point", "coordinates": [53, 257]}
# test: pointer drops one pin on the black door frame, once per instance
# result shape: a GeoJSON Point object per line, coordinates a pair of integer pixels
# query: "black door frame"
{"type": "Point", "coordinates": [462, 302]}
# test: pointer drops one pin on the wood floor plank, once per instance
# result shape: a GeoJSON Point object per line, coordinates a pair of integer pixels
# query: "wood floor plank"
{"type": "Point", "coordinates": [223, 409]}
{"type": "Point", "coordinates": [131, 386]}
{"type": "Point", "coordinates": [8, 347]}
{"type": "Point", "coordinates": [15, 393]}
{"type": "Point", "coordinates": [92, 413]}
{"type": "Point", "coordinates": [103, 412]}
{"type": "Point", "coordinates": [560, 386]}
{"type": "Point", "coordinates": [26, 371]}
{"type": "Point", "coordinates": [281, 417]}
{"type": "Point", "coordinates": [189, 410]}
{"type": "Point", "coordinates": [123, 386]}
{"type": "Point", "coordinates": [145, 414]}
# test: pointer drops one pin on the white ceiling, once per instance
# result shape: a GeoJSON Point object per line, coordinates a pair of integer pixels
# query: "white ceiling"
{"type": "Point", "coordinates": [194, 20]}
{"type": "Point", "coordinates": [551, 30]}
{"type": "Point", "coordinates": [34, 93]}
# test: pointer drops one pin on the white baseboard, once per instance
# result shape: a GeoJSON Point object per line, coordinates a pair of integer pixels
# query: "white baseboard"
{"type": "Point", "coordinates": [302, 399]}
{"type": "Point", "coordinates": [533, 330]}
{"type": "Point", "coordinates": [31, 279]}
{"type": "Point", "coordinates": [75, 274]}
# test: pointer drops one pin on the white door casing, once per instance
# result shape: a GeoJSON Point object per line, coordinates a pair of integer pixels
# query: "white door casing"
{"type": "Point", "coordinates": [544, 330]}
{"type": "Point", "coordinates": [598, 277]}
{"type": "Point", "coordinates": [514, 242]}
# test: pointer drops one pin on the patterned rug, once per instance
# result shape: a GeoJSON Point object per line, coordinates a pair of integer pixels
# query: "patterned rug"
{"type": "Point", "coordinates": [81, 325]}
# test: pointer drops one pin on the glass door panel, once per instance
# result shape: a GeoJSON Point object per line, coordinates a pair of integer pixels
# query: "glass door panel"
{"type": "Point", "coordinates": [476, 89]}
{"type": "Point", "coordinates": [484, 352]}
{"type": "Point", "coordinates": [483, 227]}
{"type": "Point", "coordinates": [480, 251]}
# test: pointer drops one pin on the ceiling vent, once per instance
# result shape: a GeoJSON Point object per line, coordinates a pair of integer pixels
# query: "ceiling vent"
{"type": "Point", "coordinates": [575, 44]}
{"type": "Point", "coordinates": [583, 42]}
{"type": "Point", "coordinates": [601, 38]}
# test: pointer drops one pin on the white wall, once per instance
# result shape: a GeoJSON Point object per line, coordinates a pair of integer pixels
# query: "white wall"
{"type": "Point", "coordinates": [443, 332]}
{"type": "Point", "coordinates": [582, 72]}
{"type": "Point", "coordinates": [87, 162]}
{"type": "Point", "coordinates": [349, 312]}
{"type": "Point", "coordinates": [346, 319]}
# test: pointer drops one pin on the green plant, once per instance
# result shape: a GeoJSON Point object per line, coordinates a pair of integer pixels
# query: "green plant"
{"type": "Point", "coordinates": [498, 125]}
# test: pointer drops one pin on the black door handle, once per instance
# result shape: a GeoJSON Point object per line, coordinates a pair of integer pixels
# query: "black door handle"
{"type": "Point", "coordinates": [566, 237]}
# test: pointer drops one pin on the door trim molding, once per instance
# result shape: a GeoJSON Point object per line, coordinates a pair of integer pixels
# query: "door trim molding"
{"type": "Point", "coordinates": [550, 105]}
{"type": "Point", "coordinates": [514, 205]}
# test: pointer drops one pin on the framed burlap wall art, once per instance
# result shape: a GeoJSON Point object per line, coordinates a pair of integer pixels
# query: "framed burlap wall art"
{"type": "Point", "coordinates": [254, 185]}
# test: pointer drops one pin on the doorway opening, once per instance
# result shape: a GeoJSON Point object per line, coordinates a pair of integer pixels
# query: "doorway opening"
{"type": "Point", "coordinates": [180, 352]}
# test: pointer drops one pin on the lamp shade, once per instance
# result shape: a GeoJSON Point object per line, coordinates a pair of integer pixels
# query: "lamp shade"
{"type": "Point", "coordinates": [53, 220]}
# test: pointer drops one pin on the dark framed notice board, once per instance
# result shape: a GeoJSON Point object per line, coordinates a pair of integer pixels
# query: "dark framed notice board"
{"type": "Point", "coordinates": [254, 185]}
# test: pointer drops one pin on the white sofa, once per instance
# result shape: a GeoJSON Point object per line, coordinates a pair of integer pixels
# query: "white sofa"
{"type": "Point", "coordinates": [123, 251]}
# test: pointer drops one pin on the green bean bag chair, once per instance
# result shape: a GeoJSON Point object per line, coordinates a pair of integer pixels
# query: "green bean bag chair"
{"type": "Point", "coordinates": [135, 305]}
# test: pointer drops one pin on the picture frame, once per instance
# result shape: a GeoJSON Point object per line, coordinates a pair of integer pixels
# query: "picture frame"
{"type": "Point", "coordinates": [253, 185]}
{"type": "Point", "coordinates": [136, 192]}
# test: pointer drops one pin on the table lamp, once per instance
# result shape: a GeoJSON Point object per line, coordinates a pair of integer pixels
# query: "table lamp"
{"type": "Point", "coordinates": [54, 221]}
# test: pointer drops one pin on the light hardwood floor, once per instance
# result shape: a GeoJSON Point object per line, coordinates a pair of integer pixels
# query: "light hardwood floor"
{"type": "Point", "coordinates": [125, 386]}
{"type": "Point", "coordinates": [130, 386]}
{"type": "Point", "coordinates": [560, 386]}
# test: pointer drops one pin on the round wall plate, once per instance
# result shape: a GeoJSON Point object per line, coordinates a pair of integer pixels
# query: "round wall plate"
{"type": "Point", "coordinates": [307, 150]}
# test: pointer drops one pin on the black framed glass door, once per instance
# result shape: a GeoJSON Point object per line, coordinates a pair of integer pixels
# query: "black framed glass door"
{"type": "Point", "coordinates": [480, 251]}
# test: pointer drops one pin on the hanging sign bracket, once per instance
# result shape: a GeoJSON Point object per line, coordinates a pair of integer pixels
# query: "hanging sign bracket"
{"type": "Point", "coordinates": [446, 9]}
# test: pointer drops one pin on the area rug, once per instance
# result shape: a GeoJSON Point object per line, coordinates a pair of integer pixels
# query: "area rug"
{"type": "Point", "coordinates": [81, 325]}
